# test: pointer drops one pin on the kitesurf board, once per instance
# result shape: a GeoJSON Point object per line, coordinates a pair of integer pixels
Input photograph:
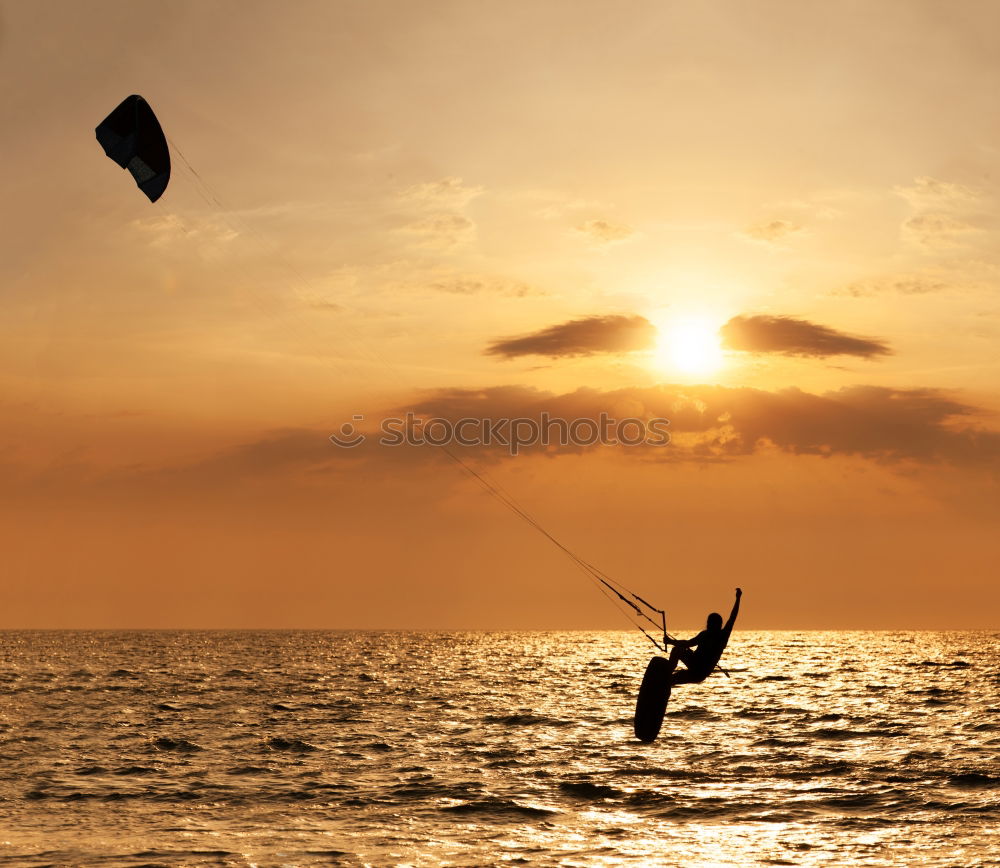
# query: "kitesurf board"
{"type": "Point", "coordinates": [652, 702]}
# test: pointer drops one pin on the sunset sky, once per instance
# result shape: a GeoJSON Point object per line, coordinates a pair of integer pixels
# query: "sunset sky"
{"type": "Point", "coordinates": [775, 224]}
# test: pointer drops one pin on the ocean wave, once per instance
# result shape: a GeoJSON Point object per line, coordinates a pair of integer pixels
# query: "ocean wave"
{"type": "Point", "coordinates": [526, 719]}
{"type": "Point", "coordinates": [827, 767]}
{"type": "Point", "coordinates": [692, 713]}
{"type": "Point", "coordinates": [954, 664]}
{"type": "Point", "coordinates": [667, 774]}
{"type": "Point", "coordinates": [292, 745]}
{"type": "Point", "coordinates": [711, 808]}
{"type": "Point", "coordinates": [853, 801]}
{"type": "Point", "coordinates": [496, 753]}
{"type": "Point", "coordinates": [589, 790]}
{"type": "Point", "coordinates": [178, 857]}
{"type": "Point", "coordinates": [974, 780]}
{"type": "Point", "coordinates": [501, 808]}
{"type": "Point", "coordinates": [776, 741]}
{"type": "Point", "coordinates": [426, 787]}
{"type": "Point", "coordinates": [833, 734]}
{"type": "Point", "coordinates": [506, 764]}
{"type": "Point", "coordinates": [755, 713]}
{"type": "Point", "coordinates": [181, 745]}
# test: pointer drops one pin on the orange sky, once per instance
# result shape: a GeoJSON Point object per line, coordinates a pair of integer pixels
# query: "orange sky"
{"type": "Point", "coordinates": [465, 209]}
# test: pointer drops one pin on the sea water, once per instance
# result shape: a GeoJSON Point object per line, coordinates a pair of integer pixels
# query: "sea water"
{"type": "Point", "coordinates": [394, 748]}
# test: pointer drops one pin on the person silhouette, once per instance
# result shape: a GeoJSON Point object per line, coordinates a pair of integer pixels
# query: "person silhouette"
{"type": "Point", "coordinates": [708, 646]}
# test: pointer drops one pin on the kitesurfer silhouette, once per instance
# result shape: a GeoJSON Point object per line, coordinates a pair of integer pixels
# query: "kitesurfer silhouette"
{"type": "Point", "coordinates": [708, 644]}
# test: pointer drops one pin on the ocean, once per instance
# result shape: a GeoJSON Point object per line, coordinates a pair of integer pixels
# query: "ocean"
{"type": "Point", "coordinates": [485, 749]}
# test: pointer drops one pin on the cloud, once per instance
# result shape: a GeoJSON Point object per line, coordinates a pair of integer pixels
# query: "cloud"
{"type": "Point", "coordinates": [276, 452]}
{"type": "Point", "coordinates": [483, 285]}
{"type": "Point", "coordinates": [926, 192]}
{"type": "Point", "coordinates": [938, 230]}
{"type": "Point", "coordinates": [324, 305]}
{"type": "Point", "coordinates": [447, 193]}
{"type": "Point", "coordinates": [557, 205]}
{"type": "Point", "coordinates": [795, 337]}
{"type": "Point", "coordinates": [711, 423]}
{"type": "Point", "coordinates": [581, 337]}
{"type": "Point", "coordinates": [707, 425]}
{"type": "Point", "coordinates": [605, 232]}
{"type": "Point", "coordinates": [442, 231]}
{"type": "Point", "coordinates": [904, 284]}
{"type": "Point", "coordinates": [771, 231]}
{"type": "Point", "coordinates": [375, 288]}
{"type": "Point", "coordinates": [436, 219]}
{"type": "Point", "coordinates": [167, 230]}
{"type": "Point", "coordinates": [944, 213]}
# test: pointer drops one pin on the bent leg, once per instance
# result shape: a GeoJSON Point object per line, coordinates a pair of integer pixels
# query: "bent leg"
{"type": "Point", "coordinates": [687, 676]}
{"type": "Point", "coordinates": [679, 653]}
{"type": "Point", "coordinates": [685, 655]}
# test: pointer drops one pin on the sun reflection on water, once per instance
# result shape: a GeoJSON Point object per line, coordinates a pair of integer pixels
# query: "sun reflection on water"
{"type": "Point", "coordinates": [429, 749]}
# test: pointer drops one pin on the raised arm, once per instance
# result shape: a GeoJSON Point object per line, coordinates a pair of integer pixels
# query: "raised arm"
{"type": "Point", "coordinates": [736, 610]}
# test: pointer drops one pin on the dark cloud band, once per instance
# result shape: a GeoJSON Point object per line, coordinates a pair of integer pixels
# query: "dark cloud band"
{"type": "Point", "coordinates": [709, 423]}
{"type": "Point", "coordinates": [581, 337]}
{"type": "Point", "coordinates": [796, 337]}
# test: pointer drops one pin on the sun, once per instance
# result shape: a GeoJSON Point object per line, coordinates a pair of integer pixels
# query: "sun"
{"type": "Point", "coordinates": [689, 344]}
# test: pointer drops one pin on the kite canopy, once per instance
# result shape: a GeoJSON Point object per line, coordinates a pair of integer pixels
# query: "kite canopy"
{"type": "Point", "coordinates": [132, 137]}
